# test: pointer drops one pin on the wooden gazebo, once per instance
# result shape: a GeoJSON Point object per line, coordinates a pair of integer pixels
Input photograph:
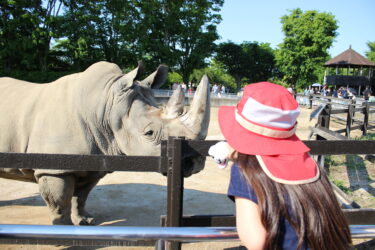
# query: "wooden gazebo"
{"type": "Point", "coordinates": [349, 69]}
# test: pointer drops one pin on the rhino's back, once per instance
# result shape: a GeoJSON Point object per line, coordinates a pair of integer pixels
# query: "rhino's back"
{"type": "Point", "coordinates": [43, 118]}
{"type": "Point", "coordinates": [36, 118]}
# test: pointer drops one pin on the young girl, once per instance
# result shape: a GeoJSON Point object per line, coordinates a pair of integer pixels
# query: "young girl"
{"type": "Point", "coordinates": [283, 200]}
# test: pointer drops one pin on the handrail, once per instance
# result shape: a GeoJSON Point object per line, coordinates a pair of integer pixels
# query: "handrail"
{"type": "Point", "coordinates": [182, 234]}
{"type": "Point", "coordinates": [58, 232]}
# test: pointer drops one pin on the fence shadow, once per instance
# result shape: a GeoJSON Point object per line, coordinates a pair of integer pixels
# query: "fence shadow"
{"type": "Point", "coordinates": [358, 174]}
{"type": "Point", "coordinates": [137, 204]}
{"type": "Point", "coordinates": [33, 200]}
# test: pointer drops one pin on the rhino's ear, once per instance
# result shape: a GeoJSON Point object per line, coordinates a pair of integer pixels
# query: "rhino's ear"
{"type": "Point", "coordinates": [156, 79]}
{"type": "Point", "coordinates": [127, 80]}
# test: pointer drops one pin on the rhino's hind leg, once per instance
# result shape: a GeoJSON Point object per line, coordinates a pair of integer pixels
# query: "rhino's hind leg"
{"type": "Point", "coordinates": [57, 192]}
{"type": "Point", "coordinates": [79, 214]}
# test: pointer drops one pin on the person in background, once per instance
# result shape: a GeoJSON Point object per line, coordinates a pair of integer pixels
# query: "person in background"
{"type": "Point", "coordinates": [351, 95]}
{"type": "Point", "coordinates": [283, 199]}
{"type": "Point", "coordinates": [222, 90]}
{"type": "Point", "coordinates": [329, 92]}
{"type": "Point", "coordinates": [334, 93]}
{"type": "Point", "coordinates": [371, 98]}
{"type": "Point", "coordinates": [215, 89]}
{"type": "Point", "coordinates": [367, 93]}
{"type": "Point", "coordinates": [183, 86]}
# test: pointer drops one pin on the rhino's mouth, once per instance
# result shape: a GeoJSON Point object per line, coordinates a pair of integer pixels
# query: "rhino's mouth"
{"type": "Point", "coordinates": [193, 165]}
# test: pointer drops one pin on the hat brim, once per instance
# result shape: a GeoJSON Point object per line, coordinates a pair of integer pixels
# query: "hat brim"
{"type": "Point", "coordinates": [247, 142]}
{"type": "Point", "coordinates": [289, 169]}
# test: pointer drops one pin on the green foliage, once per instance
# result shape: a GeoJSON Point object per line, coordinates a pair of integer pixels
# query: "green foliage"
{"type": "Point", "coordinates": [173, 77]}
{"type": "Point", "coordinates": [371, 53]}
{"type": "Point", "coordinates": [35, 76]}
{"type": "Point", "coordinates": [180, 34]}
{"type": "Point", "coordinates": [249, 61]}
{"type": "Point", "coordinates": [69, 35]}
{"type": "Point", "coordinates": [308, 36]}
{"type": "Point", "coordinates": [25, 33]}
{"type": "Point", "coordinates": [216, 74]}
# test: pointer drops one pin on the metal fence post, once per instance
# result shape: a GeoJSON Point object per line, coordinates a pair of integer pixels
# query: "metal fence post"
{"type": "Point", "coordinates": [175, 187]}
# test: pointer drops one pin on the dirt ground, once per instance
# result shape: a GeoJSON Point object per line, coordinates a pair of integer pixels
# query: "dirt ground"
{"type": "Point", "coordinates": [138, 199]}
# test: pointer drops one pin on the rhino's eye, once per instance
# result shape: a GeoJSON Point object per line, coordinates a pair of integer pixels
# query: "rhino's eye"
{"type": "Point", "coordinates": [149, 133]}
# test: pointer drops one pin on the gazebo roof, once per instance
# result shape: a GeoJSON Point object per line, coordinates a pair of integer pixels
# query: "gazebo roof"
{"type": "Point", "coordinates": [349, 58]}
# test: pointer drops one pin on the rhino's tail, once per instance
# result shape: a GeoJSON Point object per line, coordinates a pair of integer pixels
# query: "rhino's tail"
{"type": "Point", "coordinates": [18, 174]}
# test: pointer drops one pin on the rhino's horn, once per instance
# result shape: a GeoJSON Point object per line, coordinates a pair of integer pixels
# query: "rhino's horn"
{"type": "Point", "coordinates": [198, 117]}
{"type": "Point", "coordinates": [175, 104]}
{"type": "Point", "coordinates": [156, 79]}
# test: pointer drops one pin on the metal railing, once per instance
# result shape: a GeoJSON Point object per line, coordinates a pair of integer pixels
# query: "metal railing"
{"type": "Point", "coordinates": [168, 92]}
{"type": "Point", "coordinates": [181, 234]}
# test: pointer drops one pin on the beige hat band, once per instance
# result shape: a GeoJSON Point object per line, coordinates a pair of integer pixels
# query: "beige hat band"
{"type": "Point", "coordinates": [264, 130]}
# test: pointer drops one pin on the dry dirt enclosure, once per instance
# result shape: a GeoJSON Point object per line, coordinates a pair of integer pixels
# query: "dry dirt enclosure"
{"type": "Point", "coordinates": [138, 199]}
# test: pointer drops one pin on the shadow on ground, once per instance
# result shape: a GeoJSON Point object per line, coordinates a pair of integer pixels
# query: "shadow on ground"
{"type": "Point", "coordinates": [138, 204]}
{"type": "Point", "coordinates": [358, 174]}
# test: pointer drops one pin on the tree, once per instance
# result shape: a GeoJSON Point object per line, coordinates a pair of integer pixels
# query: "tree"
{"type": "Point", "coordinates": [250, 60]}
{"type": "Point", "coordinates": [98, 30]}
{"type": "Point", "coordinates": [216, 73]}
{"type": "Point", "coordinates": [178, 33]}
{"type": "Point", "coordinates": [371, 53]}
{"type": "Point", "coordinates": [18, 23]}
{"type": "Point", "coordinates": [308, 36]}
{"type": "Point", "coordinates": [69, 35]}
{"type": "Point", "coordinates": [25, 33]}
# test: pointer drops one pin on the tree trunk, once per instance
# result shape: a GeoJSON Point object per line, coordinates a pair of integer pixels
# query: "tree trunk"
{"type": "Point", "coordinates": [238, 82]}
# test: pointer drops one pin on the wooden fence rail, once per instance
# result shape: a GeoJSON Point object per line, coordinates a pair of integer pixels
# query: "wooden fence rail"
{"type": "Point", "coordinates": [352, 107]}
{"type": "Point", "coordinates": [171, 163]}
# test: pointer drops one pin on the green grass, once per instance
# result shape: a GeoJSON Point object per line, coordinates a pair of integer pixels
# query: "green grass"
{"type": "Point", "coordinates": [331, 161]}
{"type": "Point", "coordinates": [341, 185]}
{"type": "Point", "coordinates": [368, 137]}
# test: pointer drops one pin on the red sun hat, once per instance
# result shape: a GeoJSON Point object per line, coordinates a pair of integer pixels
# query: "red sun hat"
{"type": "Point", "coordinates": [263, 124]}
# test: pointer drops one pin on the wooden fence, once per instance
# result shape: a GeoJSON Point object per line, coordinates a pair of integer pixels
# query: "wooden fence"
{"type": "Point", "coordinates": [357, 113]}
{"type": "Point", "coordinates": [171, 163]}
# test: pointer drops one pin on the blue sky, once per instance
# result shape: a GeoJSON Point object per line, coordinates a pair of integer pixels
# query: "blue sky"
{"type": "Point", "coordinates": [259, 20]}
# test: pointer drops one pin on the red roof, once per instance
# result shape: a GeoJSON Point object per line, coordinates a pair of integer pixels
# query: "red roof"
{"type": "Point", "coordinates": [349, 57]}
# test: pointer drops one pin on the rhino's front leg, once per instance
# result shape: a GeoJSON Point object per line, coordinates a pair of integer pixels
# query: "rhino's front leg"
{"type": "Point", "coordinates": [57, 192]}
{"type": "Point", "coordinates": [79, 214]}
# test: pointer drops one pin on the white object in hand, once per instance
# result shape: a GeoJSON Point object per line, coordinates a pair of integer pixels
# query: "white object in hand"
{"type": "Point", "coordinates": [219, 152]}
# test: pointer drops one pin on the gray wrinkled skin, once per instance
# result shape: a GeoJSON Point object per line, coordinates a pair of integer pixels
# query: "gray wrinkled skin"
{"type": "Point", "coordinates": [98, 111]}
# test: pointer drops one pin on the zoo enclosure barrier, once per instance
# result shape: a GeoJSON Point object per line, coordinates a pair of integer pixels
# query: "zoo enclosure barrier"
{"type": "Point", "coordinates": [332, 108]}
{"type": "Point", "coordinates": [170, 163]}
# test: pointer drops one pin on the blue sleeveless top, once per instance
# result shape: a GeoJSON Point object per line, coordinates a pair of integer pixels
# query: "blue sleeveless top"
{"type": "Point", "coordinates": [239, 187]}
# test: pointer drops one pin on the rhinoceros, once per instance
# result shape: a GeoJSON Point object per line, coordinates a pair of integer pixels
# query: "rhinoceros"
{"type": "Point", "coordinates": [98, 111]}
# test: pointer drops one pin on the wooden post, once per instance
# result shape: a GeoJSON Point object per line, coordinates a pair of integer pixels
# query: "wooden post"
{"type": "Point", "coordinates": [324, 117]}
{"type": "Point", "coordinates": [323, 121]}
{"type": "Point", "coordinates": [354, 102]}
{"type": "Point", "coordinates": [366, 110]}
{"type": "Point", "coordinates": [349, 120]}
{"type": "Point", "coordinates": [175, 187]}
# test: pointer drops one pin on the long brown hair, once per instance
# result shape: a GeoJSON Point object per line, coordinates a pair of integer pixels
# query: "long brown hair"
{"type": "Point", "coordinates": [315, 213]}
